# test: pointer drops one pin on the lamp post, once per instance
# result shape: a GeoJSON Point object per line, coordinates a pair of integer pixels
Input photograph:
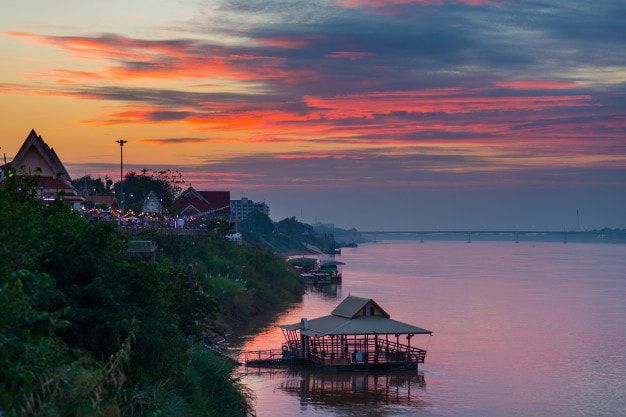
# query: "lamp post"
{"type": "Point", "coordinates": [121, 142]}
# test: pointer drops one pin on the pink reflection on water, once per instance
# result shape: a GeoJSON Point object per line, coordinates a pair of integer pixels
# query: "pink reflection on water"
{"type": "Point", "coordinates": [526, 329]}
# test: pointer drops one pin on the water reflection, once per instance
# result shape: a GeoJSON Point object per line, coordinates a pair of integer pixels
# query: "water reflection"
{"type": "Point", "coordinates": [346, 394]}
{"type": "Point", "coordinates": [363, 389]}
{"type": "Point", "coordinates": [327, 291]}
{"type": "Point", "coordinates": [520, 329]}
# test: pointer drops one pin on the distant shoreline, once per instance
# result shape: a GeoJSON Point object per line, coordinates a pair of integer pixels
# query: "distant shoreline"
{"type": "Point", "coordinates": [479, 238]}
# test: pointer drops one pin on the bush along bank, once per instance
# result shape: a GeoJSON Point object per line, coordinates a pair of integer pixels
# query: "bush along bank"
{"type": "Point", "coordinates": [87, 331]}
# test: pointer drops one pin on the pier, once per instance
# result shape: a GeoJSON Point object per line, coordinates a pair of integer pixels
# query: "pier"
{"type": "Point", "coordinates": [357, 336]}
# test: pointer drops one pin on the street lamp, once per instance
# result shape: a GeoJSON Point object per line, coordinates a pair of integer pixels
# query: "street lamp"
{"type": "Point", "coordinates": [121, 142]}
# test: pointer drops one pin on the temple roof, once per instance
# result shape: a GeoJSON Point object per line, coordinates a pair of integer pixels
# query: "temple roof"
{"type": "Point", "coordinates": [192, 201]}
{"type": "Point", "coordinates": [107, 200]}
{"type": "Point", "coordinates": [47, 153]}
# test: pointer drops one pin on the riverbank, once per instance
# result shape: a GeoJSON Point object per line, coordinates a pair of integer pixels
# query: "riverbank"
{"type": "Point", "coordinates": [87, 330]}
{"type": "Point", "coordinates": [249, 282]}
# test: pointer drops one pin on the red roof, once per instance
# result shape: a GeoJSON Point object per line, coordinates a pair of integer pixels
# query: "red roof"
{"type": "Point", "coordinates": [49, 187]}
{"type": "Point", "coordinates": [108, 200]}
{"type": "Point", "coordinates": [195, 202]}
{"type": "Point", "coordinates": [50, 183]}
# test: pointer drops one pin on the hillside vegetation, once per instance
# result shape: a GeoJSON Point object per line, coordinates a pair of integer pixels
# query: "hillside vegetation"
{"type": "Point", "coordinates": [87, 331]}
{"type": "Point", "coordinates": [286, 236]}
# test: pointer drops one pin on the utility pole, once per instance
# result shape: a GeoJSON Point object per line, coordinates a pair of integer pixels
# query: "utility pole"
{"type": "Point", "coordinates": [5, 160]}
{"type": "Point", "coordinates": [121, 142]}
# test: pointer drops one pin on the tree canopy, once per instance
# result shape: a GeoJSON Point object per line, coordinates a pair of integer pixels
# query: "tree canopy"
{"type": "Point", "coordinates": [167, 184]}
{"type": "Point", "coordinates": [86, 330]}
{"type": "Point", "coordinates": [257, 223]}
{"type": "Point", "coordinates": [94, 186]}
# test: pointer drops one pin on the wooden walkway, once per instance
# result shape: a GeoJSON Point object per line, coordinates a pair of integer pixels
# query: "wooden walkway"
{"type": "Point", "coordinates": [270, 358]}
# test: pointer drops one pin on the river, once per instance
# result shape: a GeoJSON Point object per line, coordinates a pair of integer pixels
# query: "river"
{"type": "Point", "coordinates": [528, 329]}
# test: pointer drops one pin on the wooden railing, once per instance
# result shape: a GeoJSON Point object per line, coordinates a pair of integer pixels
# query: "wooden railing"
{"type": "Point", "coordinates": [269, 355]}
{"type": "Point", "coordinates": [413, 354]}
{"type": "Point", "coordinates": [372, 351]}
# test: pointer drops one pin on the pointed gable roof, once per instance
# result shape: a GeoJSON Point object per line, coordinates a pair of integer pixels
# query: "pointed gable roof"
{"type": "Point", "coordinates": [347, 319]}
{"type": "Point", "coordinates": [196, 202]}
{"type": "Point", "coordinates": [47, 153]}
{"type": "Point", "coordinates": [351, 306]}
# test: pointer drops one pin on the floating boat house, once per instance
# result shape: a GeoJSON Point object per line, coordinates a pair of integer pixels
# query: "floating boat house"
{"type": "Point", "coordinates": [357, 335]}
{"type": "Point", "coordinates": [315, 271]}
{"type": "Point", "coordinates": [332, 267]}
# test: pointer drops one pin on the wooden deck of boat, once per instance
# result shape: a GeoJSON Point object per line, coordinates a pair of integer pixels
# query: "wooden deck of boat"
{"type": "Point", "coordinates": [280, 358]}
{"type": "Point", "coordinates": [269, 358]}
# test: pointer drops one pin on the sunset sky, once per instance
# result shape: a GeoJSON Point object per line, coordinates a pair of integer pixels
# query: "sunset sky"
{"type": "Point", "coordinates": [367, 113]}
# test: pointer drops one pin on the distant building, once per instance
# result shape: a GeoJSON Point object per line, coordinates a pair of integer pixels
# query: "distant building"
{"type": "Point", "coordinates": [241, 209]}
{"type": "Point", "coordinates": [201, 203]}
{"type": "Point", "coordinates": [36, 158]}
{"type": "Point", "coordinates": [152, 203]}
{"type": "Point", "coordinates": [323, 227]}
{"type": "Point", "coordinates": [107, 201]}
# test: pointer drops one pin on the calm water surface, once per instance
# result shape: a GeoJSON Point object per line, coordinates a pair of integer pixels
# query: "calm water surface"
{"type": "Point", "coordinates": [529, 329]}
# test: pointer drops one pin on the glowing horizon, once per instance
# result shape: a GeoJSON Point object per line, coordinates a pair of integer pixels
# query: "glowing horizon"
{"type": "Point", "coordinates": [378, 95]}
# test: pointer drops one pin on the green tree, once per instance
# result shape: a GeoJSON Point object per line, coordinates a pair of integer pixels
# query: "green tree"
{"type": "Point", "coordinates": [86, 330]}
{"type": "Point", "coordinates": [94, 186]}
{"type": "Point", "coordinates": [167, 184]}
{"type": "Point", "coordinates": [256, 224]}
{"type": "Point", "coordinates": [291, 226]}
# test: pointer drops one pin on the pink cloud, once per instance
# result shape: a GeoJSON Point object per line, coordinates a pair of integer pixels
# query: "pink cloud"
{"type": "Point", "coordinates": [289, 42]}
{"type": "Point", "coordinates": [537, 85]}
{"type": "Point", "coordinates": [387, 6]}
{"type": "Point", "coordinates": [367, 105]}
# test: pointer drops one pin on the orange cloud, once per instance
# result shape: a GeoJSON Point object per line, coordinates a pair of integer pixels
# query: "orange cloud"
{"type": "Point", "coordinates": [175, 141]}
{"type": "Point", "coordinates": [173, 58]}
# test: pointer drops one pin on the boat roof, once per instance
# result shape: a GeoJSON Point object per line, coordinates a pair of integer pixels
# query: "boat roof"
{"type": "Point", "coordinates": [351, 306]}
{"type": "Point", "coordinates": [302, 261]}
{"type": "Point", "coordinates": [325, 262]}
{"type": "Point", "coordinates": [349, 318]}
{"type": "Point", "coordinates": [335, 325]}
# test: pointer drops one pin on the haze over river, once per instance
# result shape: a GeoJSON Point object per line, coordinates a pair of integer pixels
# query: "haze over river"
{"type": "Point", "coordinates": [528, 329]}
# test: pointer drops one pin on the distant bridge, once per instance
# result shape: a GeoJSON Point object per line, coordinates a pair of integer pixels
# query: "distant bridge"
{"type": "Point", "coordinates": [515, 234]}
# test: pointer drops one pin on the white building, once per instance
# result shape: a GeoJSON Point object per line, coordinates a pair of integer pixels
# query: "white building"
{"type": "Point", "coordinates": [152, 203]}
{"type": "Point", "coordinates": [241, 209]}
